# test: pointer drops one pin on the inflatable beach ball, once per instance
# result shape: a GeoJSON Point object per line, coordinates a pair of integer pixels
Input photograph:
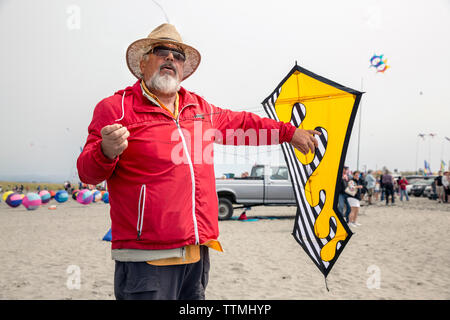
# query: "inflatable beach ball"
{"type": "Point", "coordinates": [14, 199]}
{"type": "Point", "coordinates": [61, 196]}
{"type": "Point", "coordinates": [105, 197]}
{"type": "Point", "coordinates": [74, 194]}
{"type": "Point", "coordinates": [97, 196]}
{"type": "Point", "coordinates": [45, 196]}
{"type": "Point", "coordinates": [85, 196]}
{"type": "Point", "coordinates": [6, 194]}
{"type": "Point", "coordinates": [52, 193]}
{"type": "Point", "coordinates": [31, 201]}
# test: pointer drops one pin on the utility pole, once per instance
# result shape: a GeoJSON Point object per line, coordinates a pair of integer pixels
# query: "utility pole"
{"type": "Point", "coordinates": [359, 129]}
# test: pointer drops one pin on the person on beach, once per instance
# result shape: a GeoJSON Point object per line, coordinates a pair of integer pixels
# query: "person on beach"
{"type": "Point", "coordinates": [388, 184]}
{"type": "Point", "coordinates": [377, 189]}
{"type": "Point", "coordinates": [402, 186]}
{"type": "Point", "coordinates": [152, 142]}
{"type": "Point", "coordinates": [446, 185]}
{"type": "Point", "coordinates": [439, 187]}
{"type": "Point", "coordinates": [343, 205]}
{"type": "Point", "coordinates": [383, 190]}
{"type": "Point", "coordinates": [354, 198]}
{"type": "Point", "coordinates": [370, 185]}
{"type": "Point", "coordinates": [363, 183]}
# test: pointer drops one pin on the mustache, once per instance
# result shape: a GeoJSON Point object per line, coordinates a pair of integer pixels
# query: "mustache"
{"type": "Point", "coordinates": [170, 65]}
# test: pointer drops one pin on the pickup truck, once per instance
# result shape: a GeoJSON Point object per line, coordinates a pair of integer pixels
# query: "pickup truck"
{"type": "Point", "coordinates": [266, 185]}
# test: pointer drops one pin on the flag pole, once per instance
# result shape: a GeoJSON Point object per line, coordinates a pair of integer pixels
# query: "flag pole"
{"type": "Point", "coordinates": [359, 129]}
{"type": "Point", "coordinates": [442, 152]}
{"type": "Point", "coordinates": [417, 154]}
{"type": "Point", "coordinates": [429, 153]}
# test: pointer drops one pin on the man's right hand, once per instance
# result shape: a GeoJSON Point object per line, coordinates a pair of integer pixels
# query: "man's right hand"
{"type": "Point", "coordinates": [114, 140]}
{"type": "Point", "coordinates": [304, 140]}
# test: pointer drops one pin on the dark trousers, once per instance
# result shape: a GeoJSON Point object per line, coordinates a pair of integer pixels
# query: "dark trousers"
{"type": "Point", "coordinates": [389, 189]}
{"type": "Point", "coordinates": [344, 206]}
{"type": "Point", "coordinates": [142, 281]}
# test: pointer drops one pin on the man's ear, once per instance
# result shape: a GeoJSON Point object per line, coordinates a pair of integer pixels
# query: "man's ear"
{"type": "Point", "coordinates": [142, 65]}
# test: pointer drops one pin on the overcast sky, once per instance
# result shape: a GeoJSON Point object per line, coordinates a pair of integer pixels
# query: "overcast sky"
{"type": "Point", "coordinates": [60, 58]}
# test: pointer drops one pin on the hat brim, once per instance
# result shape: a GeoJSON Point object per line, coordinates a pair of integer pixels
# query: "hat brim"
{"type": "Point", "coordinates": [137, 49]}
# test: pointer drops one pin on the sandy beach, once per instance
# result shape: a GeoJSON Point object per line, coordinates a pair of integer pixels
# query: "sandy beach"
{"type": "Point", "coordinates": [399, 252]}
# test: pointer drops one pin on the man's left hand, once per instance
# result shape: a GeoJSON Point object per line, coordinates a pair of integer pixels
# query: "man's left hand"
{"type": "Point", "coordinates": [303, 140]}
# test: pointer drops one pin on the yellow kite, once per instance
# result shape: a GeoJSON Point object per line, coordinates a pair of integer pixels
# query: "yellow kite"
{"type": "Point", "coordinates": [310, 101]}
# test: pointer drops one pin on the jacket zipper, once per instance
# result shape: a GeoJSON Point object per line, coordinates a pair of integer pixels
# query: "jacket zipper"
{"type": "Point", "coordinates": [141, 211]}
{"type": "Point", "coordinates": [191, 168]}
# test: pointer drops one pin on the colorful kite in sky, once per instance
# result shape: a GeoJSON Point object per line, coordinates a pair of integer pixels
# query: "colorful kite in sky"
{"type": "Point", "coordinates": [378, 63]}
{"type": "Point", "coordinates": [310, 101]}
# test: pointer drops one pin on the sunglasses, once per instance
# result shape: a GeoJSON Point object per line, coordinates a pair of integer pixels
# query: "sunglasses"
{"type": "Point", "coordinates": [162, 51]}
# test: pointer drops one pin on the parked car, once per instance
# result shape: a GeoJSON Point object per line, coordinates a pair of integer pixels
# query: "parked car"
{"type": "Point", "coordinates": [266, 185]}
{"type": "Point", "coordinates": [412, 179]}
{"type": "Point", "coordinates": [419, 186]}
{"type": "Point", "coordinates": [411, 182]}
{"type": "Point", "coordinates": [430, 193]}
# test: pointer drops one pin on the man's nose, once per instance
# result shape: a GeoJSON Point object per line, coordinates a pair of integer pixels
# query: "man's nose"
{"type": "Point", "coordinates": [170, 56]}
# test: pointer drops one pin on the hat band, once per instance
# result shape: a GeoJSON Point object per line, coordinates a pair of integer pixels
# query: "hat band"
{"type": "Point", "coordinates": [170, 39]}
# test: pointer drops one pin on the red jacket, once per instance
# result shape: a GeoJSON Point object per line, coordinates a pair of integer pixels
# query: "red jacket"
{"type": "Point", "coordinates": [160, 196]}
{"type": "Point", "coordinates": [403, 183]}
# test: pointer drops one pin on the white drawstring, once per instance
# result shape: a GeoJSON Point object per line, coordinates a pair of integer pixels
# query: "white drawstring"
{"type": "Point", "coordinates": [141, 210]}
{"type": "Point", "coordinates": [123, 107]}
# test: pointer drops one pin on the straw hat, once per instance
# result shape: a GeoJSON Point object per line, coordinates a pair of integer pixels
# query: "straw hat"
{"type": "Point", "coordinates": [163, 34]}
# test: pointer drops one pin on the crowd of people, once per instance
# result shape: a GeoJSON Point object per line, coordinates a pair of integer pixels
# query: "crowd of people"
{"type": "Point", "coordinates": [357, 186]}
{"type": "Point", "coordinates": [442, 186]}
{"type": "Point", "coordinates": [67, 186]}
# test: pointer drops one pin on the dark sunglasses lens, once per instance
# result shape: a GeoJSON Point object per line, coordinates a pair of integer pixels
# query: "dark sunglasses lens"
{"type": "Point", "coordinates": [178, 56]}
{"type": "Point", "coordinates": [162, 52]}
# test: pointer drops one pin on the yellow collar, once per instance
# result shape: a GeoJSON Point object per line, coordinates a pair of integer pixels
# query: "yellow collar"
{"type": "Point", "coordinates": [154, 99]}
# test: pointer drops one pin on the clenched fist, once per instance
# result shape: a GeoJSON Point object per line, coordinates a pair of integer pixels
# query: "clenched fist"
{"type": "Point", "coordinates": [303, 140]}
{"type": "Point", "coordinates": [114, 140]}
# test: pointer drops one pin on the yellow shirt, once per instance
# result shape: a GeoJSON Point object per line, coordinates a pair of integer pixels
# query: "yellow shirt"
{"type": "Point", "coordinates": [192, 252]}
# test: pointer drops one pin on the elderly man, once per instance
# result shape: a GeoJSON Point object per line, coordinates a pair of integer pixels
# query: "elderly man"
{"type": "Point", "coordinates": [152, 143]}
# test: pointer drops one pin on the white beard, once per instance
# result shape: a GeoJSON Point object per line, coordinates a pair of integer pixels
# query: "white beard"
{"type": "Point", "coordinates": [163, 83]}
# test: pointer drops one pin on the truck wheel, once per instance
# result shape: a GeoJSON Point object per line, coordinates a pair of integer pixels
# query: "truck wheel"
{"type": "Point", "coordinates": [225, 209]}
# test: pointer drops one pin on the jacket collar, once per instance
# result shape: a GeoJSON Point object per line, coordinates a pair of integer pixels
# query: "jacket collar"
{"type": "Point", "coordinates": [142, 104]}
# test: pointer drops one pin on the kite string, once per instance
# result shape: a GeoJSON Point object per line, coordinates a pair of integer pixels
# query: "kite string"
{"type": "Point", "coordinates": [162, 9]}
